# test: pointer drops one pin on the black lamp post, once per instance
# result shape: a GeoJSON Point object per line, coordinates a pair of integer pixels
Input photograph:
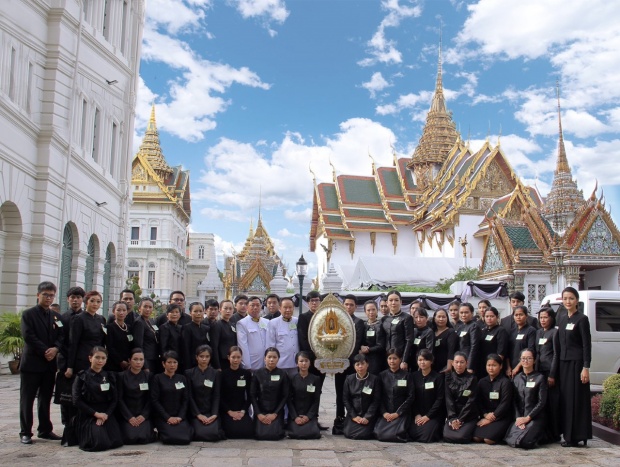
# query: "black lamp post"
{"type": "Point", "coordinates": [301, 267]}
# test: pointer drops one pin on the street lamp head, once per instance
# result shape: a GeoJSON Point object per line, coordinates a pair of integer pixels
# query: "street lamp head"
{"type": "Point", "coordinates": [301, 267]}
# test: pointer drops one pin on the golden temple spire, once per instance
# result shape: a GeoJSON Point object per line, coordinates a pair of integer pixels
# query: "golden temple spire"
{"type": "Point", "coordinates": [562, 165]}
{"type": "Point", "coordinates": [150, 149]}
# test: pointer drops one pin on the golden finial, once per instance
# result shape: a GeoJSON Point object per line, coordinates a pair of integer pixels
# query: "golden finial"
{"type": "Point", "coordinates": [333, 170]}
{"type": "Point", "coordinates": [312, 172]}
{"type": "Point", "coordinates": [499, 135]}
{"type": "Point", "coordinates": [374, 168]}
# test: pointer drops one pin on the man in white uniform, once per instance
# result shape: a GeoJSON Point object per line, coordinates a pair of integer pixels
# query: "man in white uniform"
{"type": "Point", "coordinates": [252, 336]}
{"type": "Point", "coordinates": [282, 334]}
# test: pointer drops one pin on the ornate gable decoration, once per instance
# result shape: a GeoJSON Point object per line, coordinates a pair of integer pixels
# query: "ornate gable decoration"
{"type": "Point", "coordinates": [139, 174]}
{"type": "Point", "coordinates": [493, 260]}
{"type": "Point", "coordinates": [599, 240]}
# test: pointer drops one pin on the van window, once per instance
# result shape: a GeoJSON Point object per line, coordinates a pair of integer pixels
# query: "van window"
{"type": "Point", "coordinates": [608, 316]}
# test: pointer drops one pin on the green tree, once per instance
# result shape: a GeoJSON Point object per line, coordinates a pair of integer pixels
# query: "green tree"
{"type": "Point", "coordinates": [464, 274]}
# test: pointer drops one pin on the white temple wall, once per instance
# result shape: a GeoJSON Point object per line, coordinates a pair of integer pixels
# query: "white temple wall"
{"type": "Point", "coordinates": [605, 278]}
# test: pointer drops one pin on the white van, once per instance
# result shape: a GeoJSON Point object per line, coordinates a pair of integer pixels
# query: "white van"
{"type": "Point", "coordinates": [602, 307]}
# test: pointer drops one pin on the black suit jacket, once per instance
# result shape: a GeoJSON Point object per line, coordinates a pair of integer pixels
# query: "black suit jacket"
{"type": "Point", "coordinates": [41, 330]}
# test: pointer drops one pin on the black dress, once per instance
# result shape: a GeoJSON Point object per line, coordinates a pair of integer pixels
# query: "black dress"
{"type": "Point", "coordinates": [303, 399]}
{"type": "Point", "coordinates": [96, 392]}
{"type": "Point", "coordinates": [119, 343]}
{"type": "Point", "coordinates": [461, 393]}
{"type": "Point", "coordinates": [574, 348]}
{"type": "Point", "coordinates": [492, 340]}
{"type": "Point", "coordinates": [446, 344]}
{"type": "Point", "coordinates": [362, 398]}
{"type": "Point", "coordinates": [134, 399]}
{"type": "Point", "coordinates": [235, 396]}
{"type": "Point", "coordinates": [192, 336]}
{"type": "Point", "coordinates": [530, 397]}
{"type": "Point", "coordinates": [269, 394]}
{"type": "Point", "coordinates": [495, 397]}
{"type": "Point", "coordinates": [170, 398]}
{"type": "Point", "coordinates": [87, 331]}
{"type": "Point", "coordinates": [398, 331]}
{"type": "Point", "coordinates": [423, 338]}
{"type": "Point", "coordinates": [204, 392]}
{"type": "Point", "coordinates": [146, 337]}
{"type": "Point", "coordinates": [429, 401]}
{"type": "Point", "coordinates": [397, 397]}
{"type": "Point", "coordinates": [223, 337]}
{"type": "Point", "coordinates": [547, 364]}
{"type": "Point", "coordinates": [170, 338]}
{"type": "Point", "coordinates": [520, 339]}
{"type": "Point", "coordinates": [469, 342]}
{"type": "Point", "coordinates": [374, 339]}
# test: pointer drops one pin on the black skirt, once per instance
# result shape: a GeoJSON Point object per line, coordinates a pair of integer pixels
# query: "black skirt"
{"type": "Point", "coordinates": [237, 429]}
{"type": "Point", "coordinates": [463, 435]}
{"type": "Point", "coordinates": [528, 437]}
{"type": "Point", "coordinates": [141, 434]}
{"type": "Point", "coordinates": [308, 430]}
{"type": "Point", "coordinates": [430, 432]}
{"type": "Point", "coordinates": [93, 437]}
{"type": "Point", "coordinates": [494, 431]}
{"type": "Point", "coordinates": [211, 432]}
{"type": "Point", "coordinates": [575, 409]}
{"type": "Point", "coordinates": [394, 431]}
{"type": "Point", "coordinates": [354, 430]}
{"type": "Point", "coordinates": [174, 434]}
{"type": "Point", "coordinates": [272, 432]}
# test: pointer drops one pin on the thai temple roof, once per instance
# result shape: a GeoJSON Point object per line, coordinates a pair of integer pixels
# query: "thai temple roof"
{"type": "Point", "coordinates": [149, 167]}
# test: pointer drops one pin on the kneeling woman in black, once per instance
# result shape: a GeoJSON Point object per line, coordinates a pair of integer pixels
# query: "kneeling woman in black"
{"type": "Point", "coordinates": [270, 386]}
{"type": "Point", "coordinates": [429, 410]}
{"type": "Point", "coordinates": [204, 397]}
{"type": "Point", "coordinates": [95, 396]}
{"type": "Point", "coordinates": [397, 391]}
{"type": "Point", "coordinates": [303, 401]}
{"type": "Point", "coordinates": [494, 402]}
{"type": "Point", "coordinates": [530, 397]}
{"type": "Point", "coordinates": [362, 398]}
{"type": "Point", "coordinates": [134, 401]}
{"type": "Point", "coordinates": [235, 399]}
{"type": "Point", "coordinates": [461, 408]}
{"type": "Point", "coordinates": [170, 398]}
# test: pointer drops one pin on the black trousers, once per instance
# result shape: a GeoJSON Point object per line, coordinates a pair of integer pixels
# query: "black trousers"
{"type": "Point", "coordinates": [339, 379]}
{"type": "Point", "coordinates": [38, 385]}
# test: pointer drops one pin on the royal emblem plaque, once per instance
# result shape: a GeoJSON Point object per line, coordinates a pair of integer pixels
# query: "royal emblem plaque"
{"type": "Point", "coordinates": [332, 336]}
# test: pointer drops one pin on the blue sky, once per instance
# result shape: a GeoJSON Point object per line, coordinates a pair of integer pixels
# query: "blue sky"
{"type": "Point", "coordinates": [249, 93]}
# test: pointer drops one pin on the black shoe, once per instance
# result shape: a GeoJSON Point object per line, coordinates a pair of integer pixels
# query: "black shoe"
{"type": "Point", "coordinates": [51, 436]}
{"type": "Point", "coordinates": [567, 444]}
{"type": "Point", "coordinates": [338, 428]}
{"type": "Point", "coordinates": [323, 427]}
{"type": "Point", "coordinates": [26, 439]}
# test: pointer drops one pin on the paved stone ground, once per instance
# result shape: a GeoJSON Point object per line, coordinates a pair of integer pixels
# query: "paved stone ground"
{"type": "Point", "coordinates": [328, 451]}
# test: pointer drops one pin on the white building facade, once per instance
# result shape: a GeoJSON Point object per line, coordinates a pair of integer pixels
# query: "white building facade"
{"type": "Point", "coordinates": [68, 80]}
{"type": "Point", "coordinates": [203, 278]}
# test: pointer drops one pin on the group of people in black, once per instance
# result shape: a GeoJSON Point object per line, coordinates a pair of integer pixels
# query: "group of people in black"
{"type": "Point", "coordinates": [180, 378]}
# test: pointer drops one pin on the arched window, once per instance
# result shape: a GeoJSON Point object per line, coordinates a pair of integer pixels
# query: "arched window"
{"type": "Point", "coordinates": [201, 252]}
{"type": "Point", "coordinates": [89, 274]}
{"type": "Point", "coordinates": [65, 265]}
{"type": "Point", "coordinates": [107, 278]}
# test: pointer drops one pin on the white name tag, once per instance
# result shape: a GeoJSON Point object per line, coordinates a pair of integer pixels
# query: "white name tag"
{"type": "Point", "coordinates": [437, 342]}
{"type": "Point", "coordinates": [129, 337]}
{"type": "Point", "coordinates": [466, 393]}
{"type": "Point", "coordinates": [396, 321]}
{"type": "Point", "coordinates": [520, 337]}
{"type": "Point", "coordinates": [105, 386]}
{"type": "Point", "coordinates": [542, 341]}
{"type": "Point", "coordinates": [417, 341]}
{"type": "Point", "coordinates": [570, 326]}
{"type": "Point", "coordinates": [530, 384]}
{"type": "Point", "coordinates": [370, 333]}
{"type": "Point", "coordinates": [275, 377]}
{"type": "Point", "coordinates": [240, 383]}
{"type": "Point", "coordinates": [155, 327]}
{"type": "Point", "coordinates": [59, 324]}
{"type": "Point", "coordinates": [463, 334]}
{"type": "Point", "coordinates": [429, 385]}
{"type": "Point", "coordinates": [144, 386]}
{"type": "Point", "coordinates": [401, 383]}
{"type": "Point", "coordinates": [367, 390]}
{"type": "Point", "coordinates": [208, 383]}
{"type": "Point", "coordinates": [105, 330]}
{"type": "Point", "coordinates": [310, 388]}
{"type": "Point", "coordinates": [179, 385]}
{"type": "Point", "coordinates": [489, 338]}
{"type": "Point", "coordinates": [292, 326]}
{"type": "Point", "coordinates": [494, 395]}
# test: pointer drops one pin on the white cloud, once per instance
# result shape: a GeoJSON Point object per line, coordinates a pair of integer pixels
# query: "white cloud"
{"type": "Point", "coordinates": [176, 15]}
{"type": "Point", "coordinates": [287, 233]}
{"type": "Point", "coordinates": [225, 248]}
{"type": "Point", "coordinates": [193, 101]}
{"type": "Point", "coordinates": [377, 83]}
{"type": "Point", "coordinates": [381, 49]}
{"type": "Point", "coordinates": [267, 11]}
{"type": "Point", "coordinates": [299, 216]}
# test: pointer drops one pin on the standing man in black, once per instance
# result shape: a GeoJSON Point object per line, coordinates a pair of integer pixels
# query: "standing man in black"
{"type": "Point", "coordinates": [350, 304]}
{"type": "Point", "coordinates": [129, 298]}
{"type": "Point", "coordinates": [176, 298]}
{"type": "Point", "coordinates": [42, 330]}
{"type": "Point", "coordinates": [508, 322]}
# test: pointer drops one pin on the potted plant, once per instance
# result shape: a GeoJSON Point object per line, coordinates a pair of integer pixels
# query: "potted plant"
{"type": "Point", "coordinates": [606, 411]}
{"type": "Point", "coordinates": [11, 340]}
